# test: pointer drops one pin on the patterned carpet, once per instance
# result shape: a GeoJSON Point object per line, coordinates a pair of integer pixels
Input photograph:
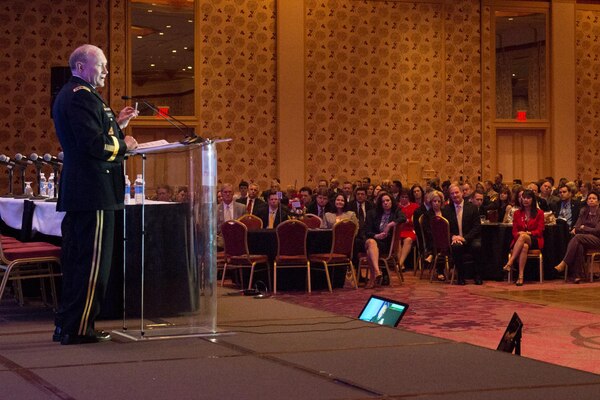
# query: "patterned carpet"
{"type": "Point", "coordinates": [561, 320]}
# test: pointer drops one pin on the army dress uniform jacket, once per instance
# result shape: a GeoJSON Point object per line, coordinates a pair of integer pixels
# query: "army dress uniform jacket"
{"type": "Point", "coordinates": [92, 174]}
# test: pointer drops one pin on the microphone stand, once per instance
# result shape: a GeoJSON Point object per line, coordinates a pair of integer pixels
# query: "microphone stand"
{"type": "Point", "coordinates": [38, 170]}
{"type": "Point", "coordinates": [22, 195]}
{"type": "Point", "coordinates": [10, 182]}
{"type": "Point", "coordinates": [189, 139]}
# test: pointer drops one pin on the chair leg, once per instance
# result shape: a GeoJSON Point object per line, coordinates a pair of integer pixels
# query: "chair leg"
{"type": "Point", "coordinates": [354, 279]}
{"type": "Point", "coordinates": [269, 276]}
{"type": "Point", "coordinates": [541, 268]}
{"type": "Point", "coordinates": [53, 291]}
{"type": "Point", "coordinates": [387, 268]}
{"type": "Point", "coordinates": [327, 276]}
{"type": "Point", "coordinates": [448, 268]}
{"type": "Point", "coordinates": [308, 276]}
{"type": "Point", "coordinates": [251, 275]}
{"type": "Point", "coordinates": [274, 277]}
{"type": "Point", "coordinates": [433, 266]}
{"type": "Point", "coordinates": [223, 274]}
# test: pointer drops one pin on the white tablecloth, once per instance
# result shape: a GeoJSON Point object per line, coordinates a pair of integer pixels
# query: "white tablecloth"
{"type": "Point", "coordinates": [46, 219]}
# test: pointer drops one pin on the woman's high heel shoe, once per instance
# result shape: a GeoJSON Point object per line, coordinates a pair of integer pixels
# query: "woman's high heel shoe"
{"type": "Point", "coordinates": [519, 282]}
{"type": "Point", "coordinates": [507, 267]}
{"type": "Point", "coordinates": [560, 267]}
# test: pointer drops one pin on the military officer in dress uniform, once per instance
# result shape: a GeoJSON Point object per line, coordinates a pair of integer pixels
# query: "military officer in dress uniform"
{"type": "Point", "coordinates": [91, 189]}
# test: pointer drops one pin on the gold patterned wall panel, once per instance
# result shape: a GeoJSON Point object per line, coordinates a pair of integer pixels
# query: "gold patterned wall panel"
{"type": "Point", "coordinates": [587, 72]}
{"type": "Point", "coordinates": [238, 86]}
{"type": "Point", "coordinates": [42, 34]}
{"type": "Point", "coordinates": [489, 163]}
{"type": "Point", "coordinates": [385, 85]}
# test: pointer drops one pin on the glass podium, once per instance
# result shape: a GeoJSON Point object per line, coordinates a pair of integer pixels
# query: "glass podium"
{"type": "Point", "coordinates": [170, 256]}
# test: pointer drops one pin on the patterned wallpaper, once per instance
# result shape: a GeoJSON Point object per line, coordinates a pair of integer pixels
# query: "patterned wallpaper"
{"type": "Point", "coordinates": [390, 82]}
{"type": "Point", "coordinates": [238, 87]}
{"type": "Point", "coordinates": [587, 72]}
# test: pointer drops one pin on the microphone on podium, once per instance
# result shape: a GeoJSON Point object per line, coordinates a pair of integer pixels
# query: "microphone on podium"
{"type": "Point", "coordinates": [50, 159]}
{"type": "Point", "coordinates": [22, 160]}
{"type": "Point", "coordinates": [190, 136]}
{"type": "Point", "coordinates": [7, 161]}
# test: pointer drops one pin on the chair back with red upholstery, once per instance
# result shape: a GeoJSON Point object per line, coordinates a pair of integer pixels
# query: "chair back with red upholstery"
{"type": "Point", "coordinates": [344, 232]}
{"type": "Point", "coordinates": [312, 221]}
{"type": "Point", "coordinates": [235, 238]}
{"type": "Point", "coordinates": [252, 222]}
{"type": "Point", "coordinates": [440, 233]}
{"type": "Point", "coordinates": [291, 239]}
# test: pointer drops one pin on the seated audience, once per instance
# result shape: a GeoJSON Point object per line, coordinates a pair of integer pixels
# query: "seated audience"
{"type": "Point", "coordinates": [517, 190]}
{"type": "Point", "coordinates": [227, 210]}
{"type": "Point", "coordinates": [436, 201]}
{"type": "Point", "coordinates": [182, 195]}
{"type": "Point", "coordinates": [164, 192]}
{"type": "Point", "coordinates": [407, 229]}
{"type": "Point", "coordinates": [243, 192]}
{"type": "Point", "coordinates": [505, 202]}
{"type": "Point", "coordinates": [584, 189]}
{"type": "Point", "coordinates": [274, 213]}
{"type": "Point", "coordinates": [306, 197]}
{"type": "Point", "coordinates": [378, 228]}
{"type": "Point", "coordinates": [546, 194]}
{"type": "Point", "coordinates": [528, 233]}
{"type": "Point", "coordinates": [567, 208]}
{"type": "Point", "coordinates": [321, 205]}
{"type": "Point", "coordinates": [477, 200]}
{"type": "Point", "coordinates": [465, 233]}
{"type": "Point", "coordinates": [416, 194]}
{"type": "Point", "coordinates": [586, 237]}
{"type": "Point", "coordinates": [252, 202]}
{"type": "Point", "coordinates": [348, 191]}
{"type": "Point", "coordinates": [341, 212]}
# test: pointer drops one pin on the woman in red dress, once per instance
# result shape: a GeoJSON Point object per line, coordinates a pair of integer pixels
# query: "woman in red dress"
{"type": "Point", "coordinates": [407, 230]}
{"type": "Point", "coordinates": [528, 232]}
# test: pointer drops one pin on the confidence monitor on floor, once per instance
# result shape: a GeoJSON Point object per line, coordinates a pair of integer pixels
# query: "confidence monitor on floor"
{"type": "Point", "coordinates": [382, 311]}
{"type": "Point", "coordinates": [511, 340]}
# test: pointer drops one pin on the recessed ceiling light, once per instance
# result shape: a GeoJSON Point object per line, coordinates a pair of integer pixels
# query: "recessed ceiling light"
{"type": "Point", "coordinates": [514, 74]}
{"type": "Point", "coordinates": [139, 36]}
{"type": "Point", "coordinates": [189, 67]}
{"type": "Point", "coordinates": [173, 51]}
{"type": "Point", "coordinates": [153, 65]}
{"type": "Point", "coordinates": [149, 10]}
{"type": "Point", "coordinates": [510, 19]}
{"type": "Point", "coordinates": [161, 33]}
{"type": "Point", "coordinates": [190, 20]}
{"type": "Point", "coordinates": [185, 48]}
{"type": "Point", "coordinates": [168, 26]}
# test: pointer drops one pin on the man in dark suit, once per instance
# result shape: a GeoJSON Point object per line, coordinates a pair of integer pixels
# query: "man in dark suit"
{"type": "Point", "coordinates": [465, 233]}
{"type": "Point", "coordinates": [252, 202]}
{"type": "Point", "coordinates": [566, 208]}
{"type": "Point", "coordinates": [274, 213]}
{"type": "Point", "coordinates": [92, 188]}
{"type": "Point", "coordinates": [321, 205]}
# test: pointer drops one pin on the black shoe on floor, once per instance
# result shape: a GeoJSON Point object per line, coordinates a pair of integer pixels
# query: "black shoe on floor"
{"type": "Point", "coordinates": [99, 336]}
{"type": "Point", "coordinates": [461, 282]}
{"type": "Point", "coordinates": [57, 335]}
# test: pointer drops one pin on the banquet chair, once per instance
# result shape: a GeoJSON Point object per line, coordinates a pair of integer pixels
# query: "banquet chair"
{"type": "Point", "coordinates": [532, 254]}
{"type": "Point", "coordinates": [252, 222]}
{"type": "Point", "coordinates": [237, 255]}
{"type": "Point", "coordinates": [342, 245]}
{"type": "Point", "coordinates": [592, 258]}
{"type": "Point", "coordinates": [291, 249]}
{"type": "Point", "coordinates": [312, 221]}
{"type": "Point", "coordinates": [20, 261]}
{"type": "Point", "coordinates": [386, 259]}
{"type": "Point", "coordinates": [441, 246]}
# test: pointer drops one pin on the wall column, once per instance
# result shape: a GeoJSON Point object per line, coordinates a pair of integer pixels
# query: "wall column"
{"type": "Point", "coordinates": [290, 92]}
{"type": "Point", "coordinates": [563, 111]}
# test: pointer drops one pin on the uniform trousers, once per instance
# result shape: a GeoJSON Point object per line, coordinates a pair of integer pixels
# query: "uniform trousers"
{"type": "Point", "coordinates": [575, 255]}
{"type": "Point", "coordinates": [86, 257]}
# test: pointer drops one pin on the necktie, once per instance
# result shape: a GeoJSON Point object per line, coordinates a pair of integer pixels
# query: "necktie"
{"type": "Point", "coordinates": [320, 212]}
{"type": "Point", "coordinates": [361, 213]}
{"type": "Point", "coordinates": [227, 213]}
{"type": "Point", "coordinates": [271, 219]}
{"type": "Point", "coordinates": [459, 214]}
{"type": "Point", "coordinates": [249, 206]}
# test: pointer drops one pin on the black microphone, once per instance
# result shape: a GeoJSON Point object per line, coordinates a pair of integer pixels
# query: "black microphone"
{"type": "Point", "coordinates": [22, 160]}
{"type": "Point", "coordinates": [189, 138]}
{"type": "Point", "coordinates": [50, 159]}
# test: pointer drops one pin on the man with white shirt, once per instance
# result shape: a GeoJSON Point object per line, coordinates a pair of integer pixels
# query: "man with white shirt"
{"type": "Point", "coordinates": [252, 202]}
{"type": "Point", "coordinates": [465, 232]}
{"type": "Point", "coordinates": [227, 210]}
